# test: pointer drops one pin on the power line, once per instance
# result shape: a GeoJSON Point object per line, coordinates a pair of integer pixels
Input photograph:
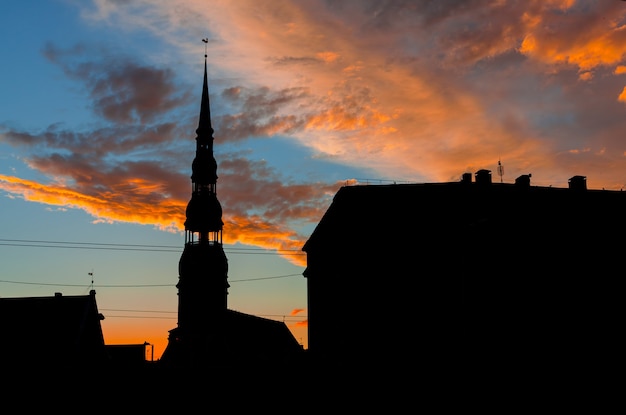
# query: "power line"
{"type": "Point", "coordinates": [136, 247]}
{"type": "Point", "coordinates": [87, 285]}
{"type": "Point", "coordinates": [292, 318]}
{"type": "Point", "coordinates": [283, 316]}
{"type": "Point", "coordinates": [85, 243]}
{"type": "Point", "coordinates": [136, 311]}
{"type": "Point", "coordinates": [137, 285]}
{"type": "Point", "coordinates": [157, 318]}
{"type": "Point", "coordinates": [32, 245]}
{"type": "Point", "coordinates": [302, 318]}
{"type": "Point", "coordinates": [265, 278]}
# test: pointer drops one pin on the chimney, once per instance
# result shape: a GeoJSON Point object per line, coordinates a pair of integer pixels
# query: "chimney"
{"type": "Point", "coordinates": [578, 183]}
{"type": "Point", "coordinates": [483, 177]}
{"type": "Point", "coordinates": [466, 178]}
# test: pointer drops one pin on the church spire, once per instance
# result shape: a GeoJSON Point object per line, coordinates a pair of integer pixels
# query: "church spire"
{"type": "Point", "coordinates": [205, 130]}
{"type": "Point", "coordinates": [203, 266]}
{"type": "Point", "coordinates": [204, 212]}
{"type": "Point", "coordinates": [208, 334]}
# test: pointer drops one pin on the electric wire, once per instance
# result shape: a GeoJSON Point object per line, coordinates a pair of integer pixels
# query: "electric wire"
{"type": "Point", "coordinates": [137, 285]}
{"type": "Point", "coordinates": [284, 317]}
{"type": "Point", "coordinates": [137, 247]}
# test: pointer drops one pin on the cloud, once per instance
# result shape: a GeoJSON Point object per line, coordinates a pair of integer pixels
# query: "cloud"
{"type": "Point", "coordinates": [121, 175]}
{"type": "Point", "coordinates": [134, 167]}
{"type": "Point", "coordinates": [415, 90]}
{"type": "Point", "coordinates": [420, 91]}
{"type": "Point", "coordinates": [303, 323]}
{"type": "Point", "coordinates": [570, 34]}
{"type": "Point", "coordinates": [122, 91]}
{"type": "Point", "coordinates": [622, 96]}
{"type": "Point", "coordinates": [260, 205]}
{"type": "Point", "coordinates": [130, 196]}
{"type": "Point", "coordinates": [259, 112]}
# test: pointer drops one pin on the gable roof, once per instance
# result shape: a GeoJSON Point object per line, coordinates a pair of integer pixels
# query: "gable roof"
{"type": "Point", "coordinates": [246, 341]}
{"type": "Point", "coordinates": [51, 331]}
{"type": "Point", "coordinates": [264, 336]}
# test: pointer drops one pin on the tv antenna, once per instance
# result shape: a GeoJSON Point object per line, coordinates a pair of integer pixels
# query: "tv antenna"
{"type": "Point", "coordinates": [500, 170]}
{"type": "Point", "coordinates": [91, 275]}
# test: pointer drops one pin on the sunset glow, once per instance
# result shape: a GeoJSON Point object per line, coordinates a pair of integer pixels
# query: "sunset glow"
{"type": "Point", "coordinates": [101, 99]}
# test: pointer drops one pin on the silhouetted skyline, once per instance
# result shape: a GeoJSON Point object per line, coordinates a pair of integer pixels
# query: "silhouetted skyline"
{"type": "Point", "coordinates": [99, 107]}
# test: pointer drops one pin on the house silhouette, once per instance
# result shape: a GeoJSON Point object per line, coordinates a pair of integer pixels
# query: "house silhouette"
{"type": "Point", "coordinates": [55, 332]}
{"type": "Point", "coordinates": [461, 279]}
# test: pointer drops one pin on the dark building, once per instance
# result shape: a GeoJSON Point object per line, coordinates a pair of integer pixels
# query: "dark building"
{"type": "Point", "coordinates": [128, 355]}
{"type": "Point", "coordinates": [466, 277]}
{"type": "Point", "coordinates": [58, 332]}
{"type": "Point", "coordinates": [208, 333]}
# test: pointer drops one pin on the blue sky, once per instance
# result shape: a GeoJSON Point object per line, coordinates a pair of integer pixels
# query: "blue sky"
{"type": "Point", "coordinates": [99, 101]}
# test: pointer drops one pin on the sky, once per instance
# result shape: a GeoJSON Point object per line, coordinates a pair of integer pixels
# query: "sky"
{"type": "Point", "coordinates": [99, 102]}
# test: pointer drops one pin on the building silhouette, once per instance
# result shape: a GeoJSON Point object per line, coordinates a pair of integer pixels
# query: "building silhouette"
{"type": "Point", "coordinates": [54, 332]}
{"type": "Point", "coordinates": [208, 333]}
{"type": "Point", "coordinates": [460, 279]}
{"type": "Point", "coordinates": [452, 279]}
{"type": "Point", "coordinates": [63, 332]}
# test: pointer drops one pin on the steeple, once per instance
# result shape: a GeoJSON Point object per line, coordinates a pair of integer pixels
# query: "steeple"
{"type": "Point", "coordinates": [208, 334]}
{"type": "Point", "coordinates": [205, 130]}
{"type": "Point", "coordinates": [203, 266]}
{"type": "Point", "coordinates": [204, 212]}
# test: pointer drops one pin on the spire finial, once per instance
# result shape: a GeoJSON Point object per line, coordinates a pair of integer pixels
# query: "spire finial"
{"type": "Point", "coordinates": [206, 41]}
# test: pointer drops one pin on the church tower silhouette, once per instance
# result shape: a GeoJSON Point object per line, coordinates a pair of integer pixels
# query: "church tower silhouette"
{"type": "Point", "coordinates": [203, 266]}
{"type": "Point", "coordinates": [208, 334]}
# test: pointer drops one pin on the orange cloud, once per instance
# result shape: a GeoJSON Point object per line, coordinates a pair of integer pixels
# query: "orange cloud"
{"type": "Point", "coordinates": [110, 207]}
{"type": "Point", "coordinates": [561, 40]}
{"type": "Point", "coordinates": [167, 214]}
{"type": "Point", "coordinates": [328, 57]}
{"type": "Point", "coordinates": [263, 234]}
{"type": "Point", "coordinates": [296, 311]}
{"type": "Point", "coordinates": [409, 114]}
{"type": "Point", "coordinates": [51, 195]}
{"type": "Point", "coordinates": [352, 113]}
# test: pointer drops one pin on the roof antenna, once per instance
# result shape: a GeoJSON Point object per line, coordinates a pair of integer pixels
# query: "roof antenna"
{"type": "Point", "coordinates": [206, 41]}
{"type": "Point", "coordinates": [91, 275]}
{"type": "Point", "coordinates": [500, 170]}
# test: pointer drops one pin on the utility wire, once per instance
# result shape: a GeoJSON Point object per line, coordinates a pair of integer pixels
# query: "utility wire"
{"type": "Point", "coordinates": [157, 318]}
{"type": "Point", "coordinates": [135, 311]}
{"type": "Point", "coordinates": [88, 285]}
{"type": "Point", "coordinates": [137, 285]}
{"type": "Point", "coordinates": [299, 317]}
{"type": "Point", "coordinates": [174, 318]}
{"type": "Point", "coordinates": [84, 243]}
{"type": "Point", "coordinates": [136, 247]}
